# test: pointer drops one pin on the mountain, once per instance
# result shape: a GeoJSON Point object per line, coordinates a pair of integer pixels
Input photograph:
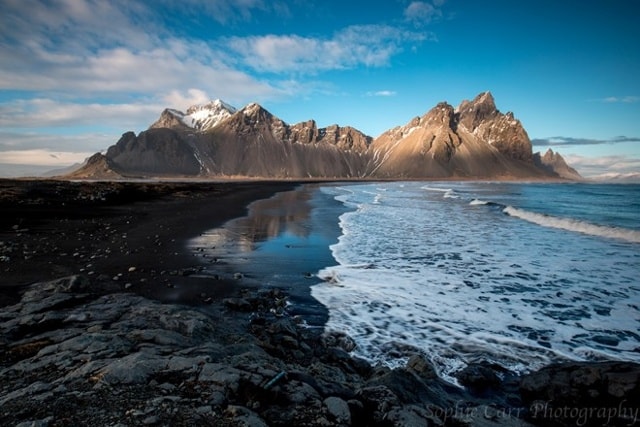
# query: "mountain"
{"type": "Point", "coordinates": [97, 166]}
{"type": "Point", "coordinates": [198, 117]}
{"type": "Point", "coordinates": [554, 163]}
{"type": "Point", "coordinates": [474, 140]}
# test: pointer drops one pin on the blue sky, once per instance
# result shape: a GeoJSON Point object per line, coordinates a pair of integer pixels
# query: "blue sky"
{"type": "Point", "coordinates": [76, 74]}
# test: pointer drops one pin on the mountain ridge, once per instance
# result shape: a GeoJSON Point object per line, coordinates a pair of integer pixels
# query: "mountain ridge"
{"type": "Point", "coordinates": [472, 141]}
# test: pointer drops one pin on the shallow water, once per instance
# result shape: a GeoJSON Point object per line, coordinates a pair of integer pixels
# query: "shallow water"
{"type": "Point", "coordinates": [515, 274]}
{"type": "Point", "coordinates": [282, 242]}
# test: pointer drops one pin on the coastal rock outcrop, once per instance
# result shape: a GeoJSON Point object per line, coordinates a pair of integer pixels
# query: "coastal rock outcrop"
{"type": "Point", "coordinates": [581, 393]}
{"type": "Point", "coordinates": [74, 353]}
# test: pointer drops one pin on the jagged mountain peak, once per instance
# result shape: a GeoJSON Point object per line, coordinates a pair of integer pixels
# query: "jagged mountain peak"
{"type": "Point", "coordinates": [255, 110]}
{"type": "Point", "coordinates": [201, 117]}
{"type": "Point", "coordinates": [442, 113]}
{"type": "Point", "coordinates": [555, 163]}
{"type": "Point", "coordinates": [480, 109]}
{"type": "Point", "coordinates": [215, 105]}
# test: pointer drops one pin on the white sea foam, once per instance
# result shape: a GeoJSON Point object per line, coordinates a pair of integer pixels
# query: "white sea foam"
{"type": "Point", "coordinates": [461, 283]}
{"type": "Point", "coordinates": [574, 225]}
{"type": "Point", "coordinates": [478, 202]}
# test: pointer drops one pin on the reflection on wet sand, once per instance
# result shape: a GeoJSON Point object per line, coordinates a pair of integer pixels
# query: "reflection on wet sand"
{"type": "Point", "coordinates": [282, 242]}
{"type": "Point", "coordinates": [285, 213]}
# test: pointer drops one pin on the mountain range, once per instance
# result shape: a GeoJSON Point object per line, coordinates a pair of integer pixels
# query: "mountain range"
{"type": "Point", "coordinates": [474, 140]}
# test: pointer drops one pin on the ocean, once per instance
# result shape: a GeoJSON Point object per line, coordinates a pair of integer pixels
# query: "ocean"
{"type": "Point", "coordinates": [517, 275]}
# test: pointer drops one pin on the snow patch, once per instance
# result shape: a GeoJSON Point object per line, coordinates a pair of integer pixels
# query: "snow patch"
{"type": "Point", "coordinates": [206, 116]}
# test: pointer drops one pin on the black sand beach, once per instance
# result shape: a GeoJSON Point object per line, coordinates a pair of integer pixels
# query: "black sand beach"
{"type": "Point", "coordinates": [104, 320]}
{"type": "Point", "coordinates": [136, 232]}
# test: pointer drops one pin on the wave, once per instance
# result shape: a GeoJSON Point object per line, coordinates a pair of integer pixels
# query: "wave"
{"type": "Point", "coordinates": [578, 226]}
{"type": "Point", "coordinates": [478, 202]}
{"type": "Point", "coordinates": [449, 193]}
{"type": "Point", "coordinates": [438, 189]}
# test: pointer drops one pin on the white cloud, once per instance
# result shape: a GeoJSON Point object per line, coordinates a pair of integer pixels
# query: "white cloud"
{"type": "Point", "coordinates": [360, 45]}
{"type": "Point", "coordinates": [180, 101]}
{"type": "Point", "coordinates": [44, 112]}
{"type": "Point", "coordinates": [622, 99]}
{"type": "Point", "coordinates": [382, 93]}
{"type": "Point", "coordinates": [85, 48]}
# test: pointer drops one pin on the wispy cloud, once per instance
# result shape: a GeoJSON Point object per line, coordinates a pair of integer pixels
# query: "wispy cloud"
{"type": "Point", "coordinates": [226, 11]}
{"type": "Point", "coordinates": [422, 12]}
{"type": "Point", "coordinates": [382, 93]}
{"type": "Point", "coordinates": [43, 112]}
{"type": "Point", "coordinates": [629, 99]}
{"type": "Point", "coordinates": [360, 45]}
{"type": "Point", "coordinates": [565, 141]}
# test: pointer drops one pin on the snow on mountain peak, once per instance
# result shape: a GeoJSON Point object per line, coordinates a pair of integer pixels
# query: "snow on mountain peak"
{"type": "Point", "coordinates": [206, 116]}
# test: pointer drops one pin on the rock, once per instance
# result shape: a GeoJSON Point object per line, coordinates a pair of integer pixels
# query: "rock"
{"type": "Point", "coordinates": [339, 409]}
{"type": "Point", "coordinates": [242, 416]}
{"type": "Point", "coordinates": [237, 304]}
{"type": "Point", "coordinates": [300, 393]}
{"type": "Point", "coordinates": [151, 420]}
{"type": "Point", "coordinates": [133, 368]}
{"type": "Point", "coordinates": [479, 378]}
{"type": "Point", "coordinates": [45, 422]}
{"type": "Point", "coordinates": [340, 340]}
{"type": "Point", "coordinates": [405, 385]}
{"type": "Point", "coordinates": [412, 415]}
{"type": "Point", "coordinates": [422, 367]}
{"type": "Point", "coordinates": [555, 390]}
{"type": "Point", "coordinates": [378, 398]}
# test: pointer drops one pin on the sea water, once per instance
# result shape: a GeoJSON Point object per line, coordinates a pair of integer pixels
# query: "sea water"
{"type": "Point", "coordinates": [515, 274]}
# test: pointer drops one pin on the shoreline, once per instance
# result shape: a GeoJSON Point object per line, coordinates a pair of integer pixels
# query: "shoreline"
{"type": "Point", "coordinates": [90, 349]}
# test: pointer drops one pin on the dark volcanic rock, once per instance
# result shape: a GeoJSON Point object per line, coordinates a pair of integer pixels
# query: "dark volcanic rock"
{"type": "Point", "coordinates": [606, 393]}
{"type": "Point", "coordinates": [154, 152]}
{"type": "Point", "coordinates": [72, 354]}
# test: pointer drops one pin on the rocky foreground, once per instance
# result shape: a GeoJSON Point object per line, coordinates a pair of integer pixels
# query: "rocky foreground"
{"type": "Point", "coordinates": [74, 356]}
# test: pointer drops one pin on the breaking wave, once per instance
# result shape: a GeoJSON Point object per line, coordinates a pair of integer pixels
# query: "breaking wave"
{"type": "Point", "coordinates": [574, 225]}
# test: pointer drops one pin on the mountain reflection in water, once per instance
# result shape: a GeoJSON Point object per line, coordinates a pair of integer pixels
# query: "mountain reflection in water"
{"type": "Point", "coordinates": [283, 241]}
